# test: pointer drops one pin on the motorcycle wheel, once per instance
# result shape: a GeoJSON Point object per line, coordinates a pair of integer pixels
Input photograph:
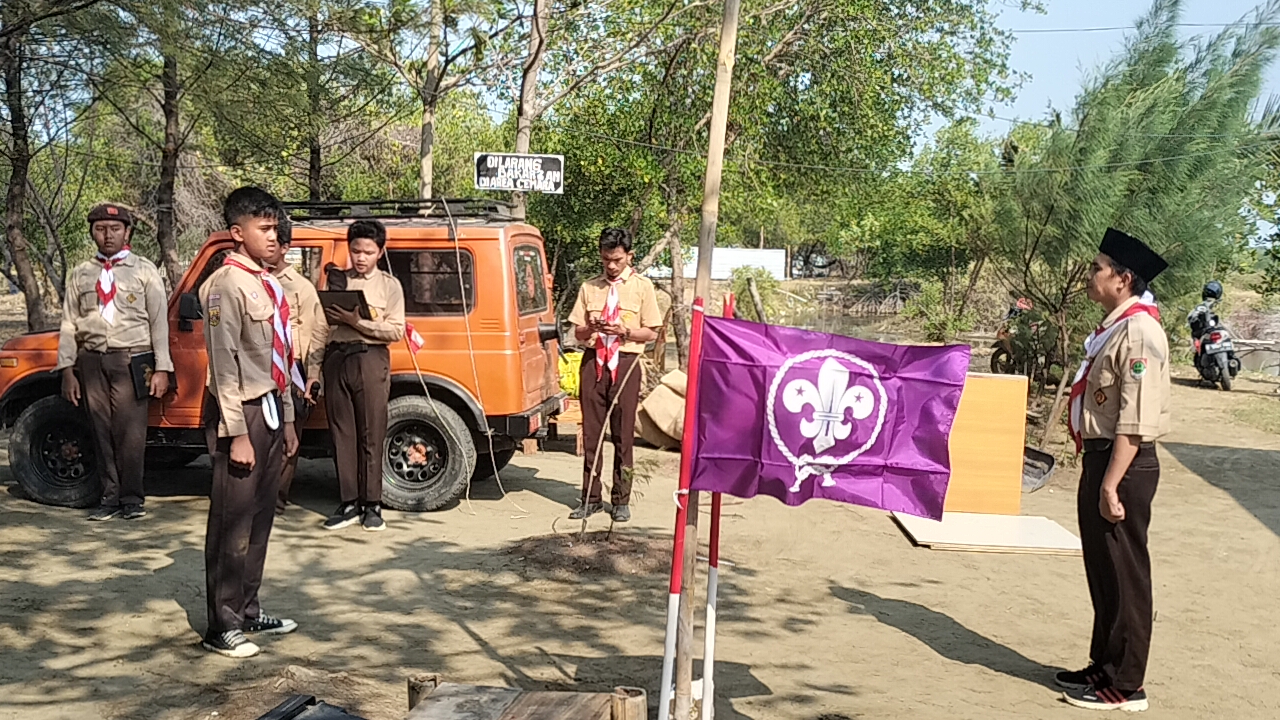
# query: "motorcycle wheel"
{"type": "Point", "coordinates": [1224, 372]}
{"type": "Point", "coordinates": [1002, 362]}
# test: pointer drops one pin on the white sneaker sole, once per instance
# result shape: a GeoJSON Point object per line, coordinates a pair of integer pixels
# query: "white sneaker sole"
{"type": "Point", "coordinates": [343, 524]}
{"type": "Point", "coordinates": [1131, 706]}
{"type": "Point", "coordinates": [378, 528]}
{"type": "Point", "coordinates": [240, 652]}
{"type": "Point", "coordinates": [288, 627]}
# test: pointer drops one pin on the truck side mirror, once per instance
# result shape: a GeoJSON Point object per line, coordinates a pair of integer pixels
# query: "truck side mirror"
{"type": "Point", "coordinates": [188, 310]}
{"type": "Point", "coordinates": [548, 332]}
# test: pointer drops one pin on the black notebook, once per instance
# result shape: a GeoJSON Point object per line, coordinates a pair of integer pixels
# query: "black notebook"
{"type": "Point", "coordinates": [142, 367]}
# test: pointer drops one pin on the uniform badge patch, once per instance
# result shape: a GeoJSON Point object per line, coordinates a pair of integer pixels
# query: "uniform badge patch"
{"type": "Point", "coordinates": [131, 298]}
{"type": "Point", "coordinates": [1100, 397]}
{"type": "Point", "coordinates": [1138, 367]}
{"type": "Point", "coordinates": [215, 316]}
{"type": "Point", "coordinates": [373, 313]}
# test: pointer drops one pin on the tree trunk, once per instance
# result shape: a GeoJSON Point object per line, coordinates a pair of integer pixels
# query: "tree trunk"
{"type": "Point", "coordinates": [529, 91]}
{"type": "Point", "coordinates": [314, 191]}
{"type": "Point", "coordinates": [11, 49]}
{"type": "Point", "coordinates": [679, 318]}
{"type": "Point", "coordinates": [166, 235]}
{"type": "Point", "coordinates": [1052, 419]}
{"type": "Point", "coordinates": [430, 96]}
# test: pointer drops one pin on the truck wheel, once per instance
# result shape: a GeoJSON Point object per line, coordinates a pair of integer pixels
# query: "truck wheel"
{"type": "Point", "coordinates": [51, 454]}
{"type": "Point", "coordinates": [429, 455]}
{"type": "Point", "coordinates": [485, 463]}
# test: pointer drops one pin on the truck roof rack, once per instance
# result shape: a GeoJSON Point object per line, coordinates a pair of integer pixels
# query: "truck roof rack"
{"type": "Point", "coordinates": [440, 208]}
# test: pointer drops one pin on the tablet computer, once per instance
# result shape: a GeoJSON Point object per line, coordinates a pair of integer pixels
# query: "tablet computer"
{"type": "Point", "coordinates": [352, 300]}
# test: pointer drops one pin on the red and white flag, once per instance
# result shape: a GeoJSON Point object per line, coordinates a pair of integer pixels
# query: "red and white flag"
{"type": "Point", "coordinates": [414, 339]}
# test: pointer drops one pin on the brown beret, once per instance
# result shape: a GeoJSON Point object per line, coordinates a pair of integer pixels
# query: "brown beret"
{"type": "Point", "coordinates": [109, 211]}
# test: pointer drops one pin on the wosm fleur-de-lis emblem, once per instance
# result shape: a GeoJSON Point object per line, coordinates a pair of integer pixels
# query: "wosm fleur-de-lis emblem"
{"type": "Point", "coordinates": [831, 399]}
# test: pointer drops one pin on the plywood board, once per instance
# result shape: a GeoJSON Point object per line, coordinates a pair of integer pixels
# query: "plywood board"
{"type": "Point", "coordinates": [976, 532]}
{"type": "Point", "coordinates": [468, 702]}
{"type": "Point", "coordinates": [986, 446]}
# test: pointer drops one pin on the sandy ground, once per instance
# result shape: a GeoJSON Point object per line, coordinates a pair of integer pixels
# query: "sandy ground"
{"type": "Point", "coordinates": [827, 612]}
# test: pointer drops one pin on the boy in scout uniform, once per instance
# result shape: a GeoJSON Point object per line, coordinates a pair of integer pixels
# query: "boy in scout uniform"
{"type": "Point", "coordinates": [1119, 407]}
{"type": "Point", "coordinates": [114, 310]}
{"type": "Point", "coordinates": [248, 425]}
{"type": "Point", "coordinates": [310, 333]}
{"type": "Point", "coordinates": [357, 378]}
{"type": "Point", "coordinates": [615, 315]}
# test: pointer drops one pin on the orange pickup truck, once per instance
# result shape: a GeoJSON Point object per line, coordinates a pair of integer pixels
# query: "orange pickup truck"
{"type": "Point", "coordinates": [476, 289]}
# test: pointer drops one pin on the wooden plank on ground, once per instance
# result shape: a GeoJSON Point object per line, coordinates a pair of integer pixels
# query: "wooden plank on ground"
{"type": "Point", "coordinates": [974, 532]}
{"type": "Point", "coordinates": [559, 706]}
{"type": "Point", "coordinates": [986, 444]}
{"type": "Point", "coordinates": [451, 701]}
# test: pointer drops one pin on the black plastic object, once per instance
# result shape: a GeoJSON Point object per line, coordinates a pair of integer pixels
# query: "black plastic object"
{"type": "Point", "coordinates": [548, 332]}
{"type": "Point", "coordinates": [306, 707]}
{"type": "Point", "coordinates": [1036, 468]}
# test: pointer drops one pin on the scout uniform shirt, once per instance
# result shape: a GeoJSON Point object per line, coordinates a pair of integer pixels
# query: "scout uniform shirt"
{"type": "Point", "coordinates": [238, 333]}
{"type": "Point", "coordinates": [1128, 387]}
{"type": "Point", "coordinates": [385, 297]}
{"type": "Point", "coordinates": [636, 299]}
{"type": "Point", "coordinates": [141, 320]}
{"type": "Point", "coordinates": [310, 329]}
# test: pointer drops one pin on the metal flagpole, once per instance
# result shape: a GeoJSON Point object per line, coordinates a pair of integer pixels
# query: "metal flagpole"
{"type": "Point", "coordinates": [713, 586]}
{"type": "Point", "coordinates": [682, 514]}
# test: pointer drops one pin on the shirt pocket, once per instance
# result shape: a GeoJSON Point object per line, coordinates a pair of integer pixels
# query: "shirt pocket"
{"type": "Point", "coordinates": [131, 300]}
{"type": "Point", "coordinates": [89, 302]}
{"type": "Point", "coordinates": [629, 304]}
{"type": "Point", "coordinates": [259, 329]}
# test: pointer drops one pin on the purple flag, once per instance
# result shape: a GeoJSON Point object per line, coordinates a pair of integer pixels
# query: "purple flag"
{"type": "Point", "coordinates": [798, 415]}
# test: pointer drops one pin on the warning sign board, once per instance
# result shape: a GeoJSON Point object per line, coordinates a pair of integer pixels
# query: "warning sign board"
{"type": "Point", "coordinates": [526, 173]}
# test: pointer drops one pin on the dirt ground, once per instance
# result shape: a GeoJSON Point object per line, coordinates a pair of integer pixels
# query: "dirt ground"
{"type": "Point", "coordinates": [827, 612]}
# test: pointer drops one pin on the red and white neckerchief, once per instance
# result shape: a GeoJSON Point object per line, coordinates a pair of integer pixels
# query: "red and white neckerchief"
{"type": "Point", "coordinates": [607, 345]}
{"type": "Point", "coordinates": [283, 367]}
{"type": "Point", "coordinates": [1145, 305]}
{"type": "Point", "coordinates": [107, 284]}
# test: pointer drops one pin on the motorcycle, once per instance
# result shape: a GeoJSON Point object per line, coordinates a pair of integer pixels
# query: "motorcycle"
{"type": "Point", "coordinates": [1002, 355]}
{"type": "Point", "coordinates": [1215, 355]}
{"type": "Point", "coordinates": [1026, 344]}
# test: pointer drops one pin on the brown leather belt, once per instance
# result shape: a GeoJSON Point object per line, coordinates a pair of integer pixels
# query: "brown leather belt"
{"type": "Point", "coordinates": [132, 351]}
{"type": "Point", "coordinates": [1103, 445]}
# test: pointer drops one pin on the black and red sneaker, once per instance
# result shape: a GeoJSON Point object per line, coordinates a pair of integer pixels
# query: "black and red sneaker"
{"type": "Point", "coordinates": [1107, 698]}
{"type": "Point", "coordinates": [1081, 679]}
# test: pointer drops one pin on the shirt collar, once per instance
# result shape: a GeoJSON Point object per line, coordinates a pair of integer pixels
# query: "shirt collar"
{"type": "Point", "coordinates": [627, 272]}
{"type": "Point", "coordinates": [246, 261]}
{"type": "Point", "coordinates": [1120, 310]}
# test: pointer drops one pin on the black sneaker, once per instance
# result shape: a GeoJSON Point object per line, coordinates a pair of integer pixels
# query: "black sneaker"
{"type": "Point", "coordinates": [621, 513]}
{"type": "Point", "coordinates": [372, 520]}
{"type": "Point", "coordinates": [133, 512]}
{"type": "Point", "coordinates": [1107, 698]}
{"type": "Point", "coordinates": [347, 514]}
{"type": "Point", "coordinates": [232, 644]}
{"type": "Point", "coordinates": [585, 511]}
{"type": "Point", "coordinates": [268, 625]}
{"type": "Point", "coordinates": [1081, 679]}
{"type": "Point", "coordinates": [104, 512]}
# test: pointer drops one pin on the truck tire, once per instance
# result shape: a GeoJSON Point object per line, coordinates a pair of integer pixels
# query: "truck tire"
{"type": "Point", "coordinates": [1224, 372]}
{"type": "Point", "coordinates": [51, 454]}
{"type": "Point", "coordinates": [429, 455]}
{"type": "Point", "coordinates": [485, 463]}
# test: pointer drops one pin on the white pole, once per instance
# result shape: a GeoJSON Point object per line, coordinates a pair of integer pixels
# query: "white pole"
{"type": "Point", "coordinates": [709, 647]}
{"type": "Point", "coordinates": [669, 657]}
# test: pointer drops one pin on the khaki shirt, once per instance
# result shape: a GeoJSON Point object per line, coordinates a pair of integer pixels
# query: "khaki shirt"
{"type": "Point", "coordinates": [385, 296]}
{"type": "Point", "coordinates": [636, 299]}
{"type": "Point", "coordinates": [1128, 386]}
{"type": "Point", "coordinates": [141, 312]}
{"type": "Point", "coordinates": [238, 333]}
{"type": "Point", "coordinates": [310, 329]}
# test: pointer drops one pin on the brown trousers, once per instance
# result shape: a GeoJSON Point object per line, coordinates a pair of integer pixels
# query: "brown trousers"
{"type": "Point", "coordinates": [301, 411]}
{"type": "Point", "coordinates": [241, 511]}
{"type": "Point", "coordinates": [1118, 566]}
{"type": "Point", "coordinates": [596, 397]}
{"type": "Point", "coordinates": [357, 387]}
{"type": "Point", "coordinates": [119, 422]}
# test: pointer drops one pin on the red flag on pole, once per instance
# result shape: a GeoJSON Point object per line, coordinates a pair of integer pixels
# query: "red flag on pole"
{"type": "Point", "coordinates": [415, 340]}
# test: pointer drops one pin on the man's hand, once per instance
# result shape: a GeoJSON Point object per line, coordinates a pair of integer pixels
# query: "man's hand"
{"type": "Point", "coordinates": [313, 389]}
{"type": "Point", "coordinates": [615, 329]}
{"type": "Point", "coordinates": [290, 440]}
{"type": "Point", "coordinates": [71, 387]}
{"type": "Point", "coordinates": [1110, 506]}
{"type": "Point", "coordinates": [242, 451]}
{"type": "Point", "coordinates": [159, 384]}
{"type": "Point", "coordinates": [343, 316]}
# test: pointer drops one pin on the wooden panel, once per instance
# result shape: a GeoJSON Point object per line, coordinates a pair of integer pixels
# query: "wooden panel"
{"type": "Point", "coordinates": [464, 702]}
{"type": "Point", "coordinates": [559, 706]}
{"type": "Point", "coordinates": [986, 446]}
{"type": "Point", "coordinates": [974, 532]}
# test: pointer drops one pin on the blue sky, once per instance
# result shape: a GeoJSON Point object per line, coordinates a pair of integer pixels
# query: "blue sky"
{"type": "Point", "coordinates": [1058, 62]}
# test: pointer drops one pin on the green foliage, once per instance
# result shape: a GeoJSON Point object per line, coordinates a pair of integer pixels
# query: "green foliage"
{"type": "Point", "coordinates": [768, 287]}
{"type": "Point", "coordinates": [938, 320]}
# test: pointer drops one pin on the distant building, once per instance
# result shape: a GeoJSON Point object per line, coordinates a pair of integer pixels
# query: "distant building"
{"type": "Point", "coordinates": [725, 260]}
